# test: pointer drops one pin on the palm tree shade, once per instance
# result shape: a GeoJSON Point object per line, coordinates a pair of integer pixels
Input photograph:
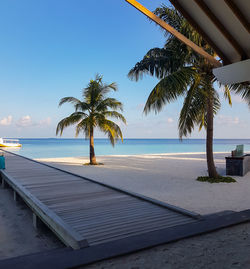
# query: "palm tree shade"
{"type": "Point", "coordinates": [94, 111]}
{"type": "Point", "coordinates": [184, 73]}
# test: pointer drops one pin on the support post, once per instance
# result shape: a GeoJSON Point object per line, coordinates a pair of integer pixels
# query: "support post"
{"type": "Point", "coordinates": [3, 185]}
{"type": "Point", "coordinates": [37, 223]}
{"type": "Point", "coordinates": [15, 196]}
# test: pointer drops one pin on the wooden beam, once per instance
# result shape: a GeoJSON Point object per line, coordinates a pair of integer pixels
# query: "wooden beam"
{"type": "Point", "coordinates": [15, 196]}
{"type": "Point", "coordinates": [174, 32]}
{"type": "Point", "coordinates": [220, 53]}
{"type": "Point", "coordinates": [237, 12]}
{"type": "Point", "coordinates": [204, 7]}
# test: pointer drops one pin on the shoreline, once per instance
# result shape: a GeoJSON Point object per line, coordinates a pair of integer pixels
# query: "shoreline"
{"type": "Point", "coordinates": [146, 154]}
{"type": "Point", "coordinates": [134, 155]}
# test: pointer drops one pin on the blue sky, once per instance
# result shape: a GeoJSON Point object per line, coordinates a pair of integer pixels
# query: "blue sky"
{"type": "Point", "coordinates": [50, 49]}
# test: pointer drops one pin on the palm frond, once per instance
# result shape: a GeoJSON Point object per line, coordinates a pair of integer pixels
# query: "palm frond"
{"type": "Point", "coordinates": [107, 87]}
{"type": "Point", "coordinates": [111, 129]}
{"type": "Point", "coordinates": [169, 89]}
{"type": "Point", "coordinates": [159, 62]}
{"type": "Point", "coordinates": [193, 110]}
{"type": "Point", "coordinates": [71, 100]}
{"type": "Point", "coordinates": [70, 120]}
{"type": "Point", "coordinates": [227, 94]}
{"type": "Point", "coordinates": [216, 101]}
{"type": "Point", "coordinates": [115, 114]}
{"type": "Point", "coordinates": [242, 89]}
{"type": "Point", "coordinates": [107, 103]}
{"type": "Point", "coordinates": [84, 125]}
{"type": "Point", "coordinates": [82, 106]}
{"type": "Point", "coordinates": [155, 63]}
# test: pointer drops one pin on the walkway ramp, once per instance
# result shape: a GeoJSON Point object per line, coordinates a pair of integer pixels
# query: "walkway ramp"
{"type": "Point", "coordinates": [82, 212]}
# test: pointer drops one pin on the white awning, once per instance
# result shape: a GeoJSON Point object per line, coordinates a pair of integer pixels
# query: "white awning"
{"type": "Point", "coordinates": [225, 24]}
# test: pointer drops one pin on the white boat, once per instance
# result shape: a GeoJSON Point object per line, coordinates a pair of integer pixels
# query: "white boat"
{"type": "Point", "coordinates": [9, 143]}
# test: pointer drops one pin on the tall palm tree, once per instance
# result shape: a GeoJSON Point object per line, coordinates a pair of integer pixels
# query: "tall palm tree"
{"type": "Point", "coordinates": [93, 112]}
{"type": "Point", "coordinates": [183, 72]}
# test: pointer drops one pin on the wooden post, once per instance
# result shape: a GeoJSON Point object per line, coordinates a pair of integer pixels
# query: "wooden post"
{"type": "Point", "coordinates": [3, 185]}
{"type": "Point", "coordinates": [37, 223]}
{"type": "Point", "coordinates": [15, 196]}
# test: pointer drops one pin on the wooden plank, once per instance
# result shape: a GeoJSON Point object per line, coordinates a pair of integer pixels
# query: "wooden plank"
{"type": "Point", "coordinates": [121, 221]}
{"type": "Point", "coordinates": [115, 237]}
{"type": "Point", "coordinates": [128, 224]}
{"type": "Point", "coordinates": [237, 12]}
{"type": "Point", "coordinates": [88, 214]}
{"type": "Point", "coordinates": [66, 233]}
{"type": "Point", "coordinates": [136, 195]}
{"type": "Point", "coordinates": [129, 230]}
{"type": "Point", "coordinates": [95, 211]}
{"type": "Point", "coordinates": [234, 43]}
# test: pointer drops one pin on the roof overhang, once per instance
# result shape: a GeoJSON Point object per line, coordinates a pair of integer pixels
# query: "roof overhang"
{"type": "Point", "coordinates": [225, 24]}
{"type": "Point", "coordinates": [233, 73]}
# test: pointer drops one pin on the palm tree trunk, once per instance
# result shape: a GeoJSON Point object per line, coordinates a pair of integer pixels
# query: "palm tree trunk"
{"type": "Point", "coordinates": [92, 157]}
{"type": "Point", "coordinates": [209, 142]}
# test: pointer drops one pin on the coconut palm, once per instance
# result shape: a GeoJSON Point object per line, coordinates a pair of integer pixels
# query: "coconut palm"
{"type": "Point", "coordinates": [184, 73]}
{"type": "Point", "coordinates": [93, 112]}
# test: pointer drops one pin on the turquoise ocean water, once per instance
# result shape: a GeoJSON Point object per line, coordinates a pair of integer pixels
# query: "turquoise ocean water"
{"type": "Point", "coordinates": [51, 148]}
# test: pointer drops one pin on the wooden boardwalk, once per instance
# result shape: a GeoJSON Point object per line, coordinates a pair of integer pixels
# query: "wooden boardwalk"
{"type": "Point", "coordinates": [82, 212]}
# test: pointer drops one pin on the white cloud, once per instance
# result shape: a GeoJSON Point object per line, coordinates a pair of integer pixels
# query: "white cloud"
{"type": "Point", "coordinates": [45, 122]}
{"type": "Point", "coordinates": [6, 121]}
{"type": "Point", "coordinates": [170, 120]}
{"type": "Point", "coordinates": [27, 121]}
{"type": "Point", "coordinates": [24, 121]}
{"type": "Point", "coordinates": [227, 120]}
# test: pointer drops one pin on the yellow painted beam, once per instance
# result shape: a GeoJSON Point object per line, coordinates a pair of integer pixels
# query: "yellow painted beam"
{"type": "Point", "coordinates": [174, 32]}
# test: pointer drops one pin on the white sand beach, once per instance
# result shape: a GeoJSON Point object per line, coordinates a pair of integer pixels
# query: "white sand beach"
{"type": "Point", "coordinates": [167, 177]}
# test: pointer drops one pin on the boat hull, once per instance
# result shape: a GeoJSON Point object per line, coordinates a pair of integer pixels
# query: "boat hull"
{"type": "Point", "coordinates": [11, 145]}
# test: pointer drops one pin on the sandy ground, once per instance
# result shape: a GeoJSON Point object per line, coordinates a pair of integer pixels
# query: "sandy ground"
{"type": "Point", "coordinates": [17, 234]}
{"type": "Point", "coordinates": [167, 177]}
{"type": "Point", "coordinates": [224, 249]}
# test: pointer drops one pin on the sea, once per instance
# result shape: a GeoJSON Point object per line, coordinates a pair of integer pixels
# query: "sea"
{"type": "Point", "coordinates": [59, 147]}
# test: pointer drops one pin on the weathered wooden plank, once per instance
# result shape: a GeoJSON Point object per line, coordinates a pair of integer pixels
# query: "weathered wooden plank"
{"type": "Point", "coordinates": [94, 203]}
{"type": "Point", "coordinates": [89, 214]}
{"type": "Point", "coordinates": [97, 239]}
{"type": "Point", "coordinates": [136, 195]}
{"type": "Point", "coordinates": [117, 218]}
{"type": "Point", "coordinates": [129, 223]}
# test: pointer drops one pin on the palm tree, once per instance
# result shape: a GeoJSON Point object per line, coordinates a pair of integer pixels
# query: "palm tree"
{"type": "Point", "coordinates": [93, 111]}
{"type": "Point", "coordinates": [182, 72]}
